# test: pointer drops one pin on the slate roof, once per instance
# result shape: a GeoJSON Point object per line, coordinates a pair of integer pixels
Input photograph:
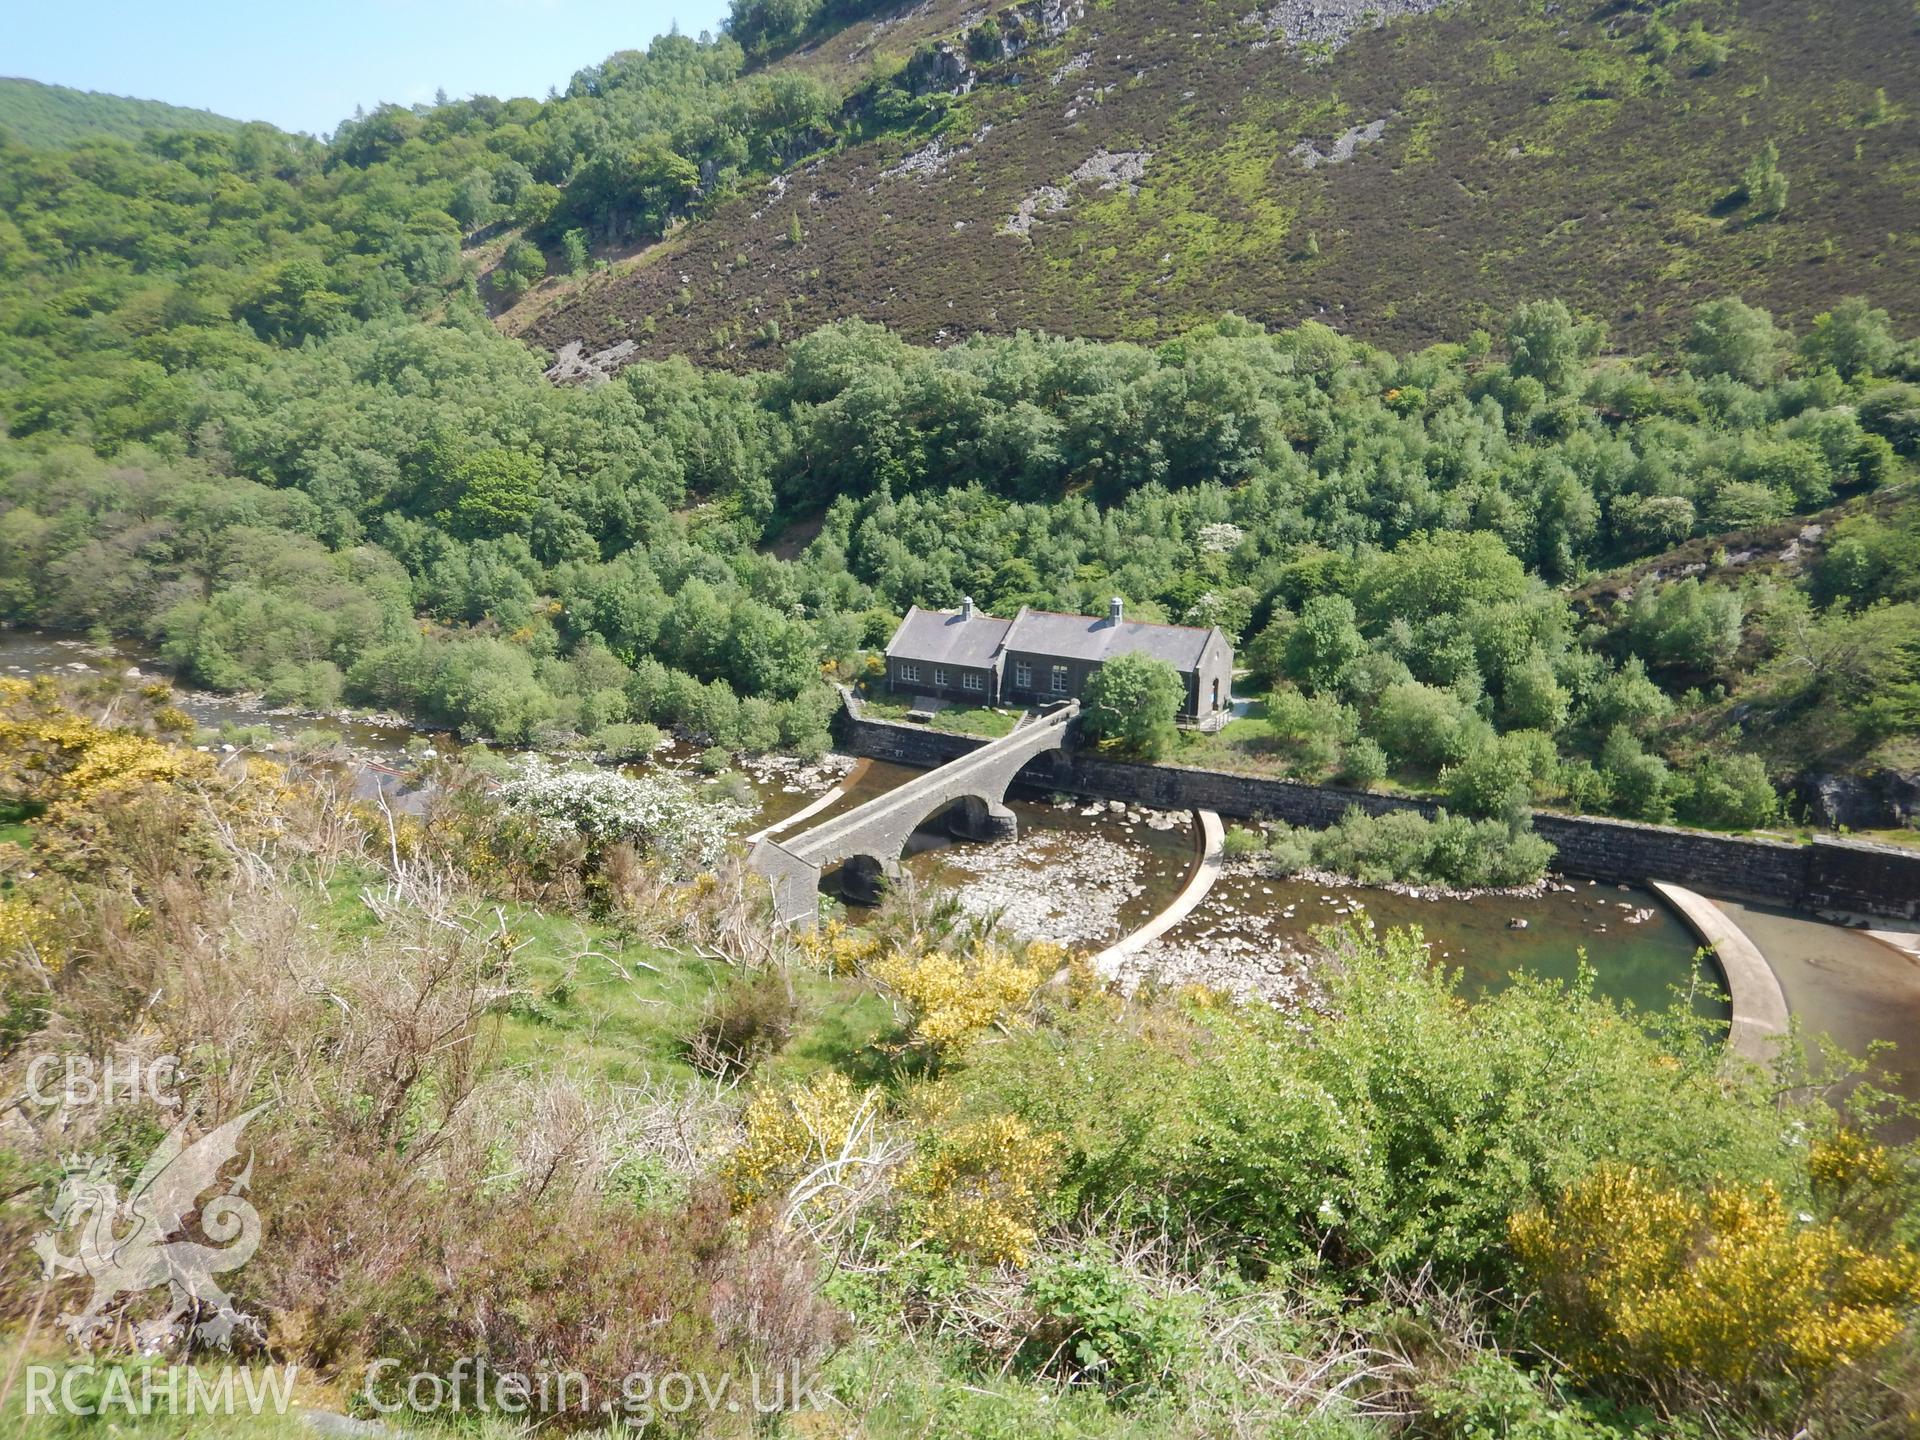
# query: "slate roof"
{"type": "Point", "coordinates": [943, 637]}
{"type": "Point", "coordinates": [1090, 637]}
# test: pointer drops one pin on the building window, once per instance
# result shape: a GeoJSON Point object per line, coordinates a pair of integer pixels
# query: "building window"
{"type": "Point", "coordinates": [973, 680]}
{"type": "Point", "coordinates": [939, 675]}
{"type": "Point", "coordinates": [910, 673]}
{"type": "Point", "coordinates": [1059, 679]}
{"type": "Point", "coordinates": [1023, 674]}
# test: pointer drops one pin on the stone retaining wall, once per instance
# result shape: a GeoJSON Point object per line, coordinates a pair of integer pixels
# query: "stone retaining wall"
{"type": "Point", "coordinates": [1830, 874]}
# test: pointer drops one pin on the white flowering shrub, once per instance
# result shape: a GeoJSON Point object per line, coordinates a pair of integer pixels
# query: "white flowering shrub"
{"type": "Point", "coordinates": [661, 815]}
{"type": "Point", "coordinates": [1221, 537]}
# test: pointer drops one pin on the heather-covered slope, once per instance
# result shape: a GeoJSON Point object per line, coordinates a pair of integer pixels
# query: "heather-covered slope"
{"type": "Point", "coordinates": [1155, 165]}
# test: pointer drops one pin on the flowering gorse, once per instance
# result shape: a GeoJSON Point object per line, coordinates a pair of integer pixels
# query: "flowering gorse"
{"type": "Point", "coordinates": [953, 998]}
{"type": "Point", "coordinates": [55, 758]}
{"type": "Point", "coordinates": [836, 949]}
{"type": "Point", "coordinates": [981, 1188]}
{"type": "Point", "coordinates": [661, 815]}
{"type": "Point", "coordinates": [1643, 1279]}
{"type": "Point", "coordinates": [790, 1131]}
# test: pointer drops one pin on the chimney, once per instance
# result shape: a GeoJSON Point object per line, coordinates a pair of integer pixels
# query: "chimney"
{"type": "Point", "coordinates": [1114, 610]}
{"type": "Point", "coordinates": [966, 607]}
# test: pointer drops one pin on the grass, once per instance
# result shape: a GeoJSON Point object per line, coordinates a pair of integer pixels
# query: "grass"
{"type": "Point", "coordinates": [595, 1003]}
{"type": "Point", "coordinates": [1247, 743]}
{"type": "Point", "coordinates": [305, 1391]}
{"type": "Point", "coordinates": [600, 1007]}
{"type": "Point", "coordinates": [1909, 838]}
{"type": "Point", "coordinates": [955, 719]}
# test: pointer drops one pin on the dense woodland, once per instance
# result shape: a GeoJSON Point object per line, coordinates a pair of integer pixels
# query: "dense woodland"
{"type": "Point", "coordinates": [257, 417]}
{"type": "Point", "coordinates": [38, 114]}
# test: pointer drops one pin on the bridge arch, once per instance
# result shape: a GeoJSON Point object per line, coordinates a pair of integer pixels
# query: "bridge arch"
{"type": "Point", "coordinates": [973, 786]}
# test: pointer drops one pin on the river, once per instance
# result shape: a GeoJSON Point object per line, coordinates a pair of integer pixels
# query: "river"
{"type": "Point", "coordinates": [1087, 873]}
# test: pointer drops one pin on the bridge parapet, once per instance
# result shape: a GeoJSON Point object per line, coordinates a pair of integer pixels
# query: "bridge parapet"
{"type": "Point", "coordinates": [879, 828]}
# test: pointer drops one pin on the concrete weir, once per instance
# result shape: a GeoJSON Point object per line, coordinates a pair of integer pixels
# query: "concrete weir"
{"type": "Point", "coordinates": [1212, 836]}
{"type": "Point", "coordinates": [870, 837]}
{"type": "Point", "coordinates": [1759, 1004]}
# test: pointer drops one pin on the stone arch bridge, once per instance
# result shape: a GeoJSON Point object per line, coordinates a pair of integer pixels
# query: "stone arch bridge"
{"type": "Point", "coordinates": [870, 837]}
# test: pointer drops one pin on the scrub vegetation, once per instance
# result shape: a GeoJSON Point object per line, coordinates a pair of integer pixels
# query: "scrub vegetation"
{"type": "Point", "coordinates": [1005, 1203]}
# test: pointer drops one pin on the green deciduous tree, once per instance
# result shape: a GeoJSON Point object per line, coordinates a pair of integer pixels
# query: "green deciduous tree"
{"type": "Point", "coordinates": [1730, 337]}
{"type": "Point", "coordinates": [498, 491]}
{"type": "Point", "coordinates": [1854, 338]}
{"type": "Point", "coordinates": [1547, 343]}
{"type": "Point", "coordinates": [1132, 700]}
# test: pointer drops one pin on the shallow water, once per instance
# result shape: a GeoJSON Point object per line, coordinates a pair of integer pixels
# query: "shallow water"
{"type": "Point", "coordinates": [1846, 985]}
{"type": "Point", "coordinates": [376, 751]}
{"type": "Point", "coordinates": [1089, 878]}
{"type": "Point", "coordinates": [1638, 949]}
{"type": "Point", "coordinates": [25, 653]}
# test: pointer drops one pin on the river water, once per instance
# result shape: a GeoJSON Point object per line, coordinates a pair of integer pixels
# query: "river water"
{"type": "Point", "coordinates": [1087, 873]}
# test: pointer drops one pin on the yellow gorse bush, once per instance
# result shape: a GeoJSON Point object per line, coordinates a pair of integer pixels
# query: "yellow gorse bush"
{"type": "Point", "coordinates": [981, 1189]}
{"type": "Point", "coordinates": [836, 949]}
{"type": "Point", "coordinates": [789, 1132]}
{"type": "Point", "coordinates": [52, 757]}
{"type": "Point", "coordinates": [1847, 1160]}
{"type": "Point", "coordinates": [953, 998]}
{"type": "Point", "coordinates": [1643, 1279]}
{"type": "Point", "coordinates": [26, 930]}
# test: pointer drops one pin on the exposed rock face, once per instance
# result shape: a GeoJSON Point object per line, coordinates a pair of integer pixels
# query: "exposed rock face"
{"type": "Point", "coordinates": [1310, 155]}
{"type": "Point", "coordinates": [1024, 26]}
{"type": "Point", "coordinates": [942, 67]}
{"type": "Point", "coordinates": [1328, 23]}
{"type": "Point", "coordinates": [1878, 800]}
{"type": "Point", "coordinates": [574, 364]}
{"type": "Point", "coordinates": [1104, 170]}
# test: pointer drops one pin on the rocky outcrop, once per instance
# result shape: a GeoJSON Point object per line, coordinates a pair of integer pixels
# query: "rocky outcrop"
{"type": "Point", "coordinates": [1326, 25]}
{"type": "Point", "coordinates": [940, 69]}
{"type": "Point", "coordinates": [1102, 170]}
{"type": "Point", "coordinates": [1341, 151]}
{"type": "Point", "coordinates": [1021, 27]}
{"type": "Point", "coordinates": [1877, 800]}
{"type": "Point", "coordinates": [573, 364]}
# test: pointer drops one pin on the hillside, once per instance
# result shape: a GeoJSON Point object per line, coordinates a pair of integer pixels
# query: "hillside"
{"type": "Point", "coordinates": [38, 114]}
{"type": "Point", "coordinates": [1146, 167]}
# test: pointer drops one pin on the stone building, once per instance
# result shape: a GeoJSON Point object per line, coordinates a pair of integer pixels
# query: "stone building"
{"type": "Point", "coordinates": [1039, 656]}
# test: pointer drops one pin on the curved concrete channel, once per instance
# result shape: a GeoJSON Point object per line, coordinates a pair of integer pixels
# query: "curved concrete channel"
{"type": "Point", "coordinates": [1210, 840]}
{"type": "Point", "coordinates": [1759, 1002]}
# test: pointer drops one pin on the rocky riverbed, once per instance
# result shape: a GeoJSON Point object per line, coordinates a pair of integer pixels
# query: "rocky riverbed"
{"type": "Point", "coordinates": [791, 775]}
{"type": "Point", "coordinates": [1243, 953]}
{"type": "Point", "coordinates": [1020, 881]}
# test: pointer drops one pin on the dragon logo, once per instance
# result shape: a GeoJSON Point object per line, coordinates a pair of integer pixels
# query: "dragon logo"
{"type": "Point", "coordinates": [128, 1246]}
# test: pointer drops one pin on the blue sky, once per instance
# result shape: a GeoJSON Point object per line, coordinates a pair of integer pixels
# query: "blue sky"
{"type": "Point", "coordinates": [305, 64]}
